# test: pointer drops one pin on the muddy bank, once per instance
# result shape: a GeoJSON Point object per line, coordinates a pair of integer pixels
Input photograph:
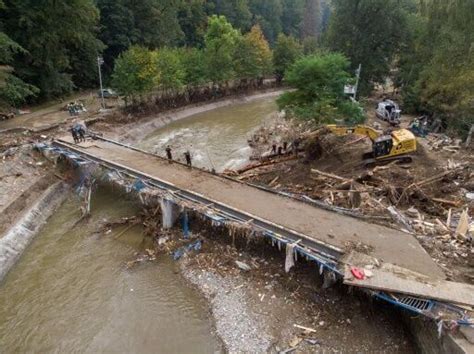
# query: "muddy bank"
{"type": "Point", "coordinates": [264, 309]}
{"type": "Point", "coordinates": [15, 241]}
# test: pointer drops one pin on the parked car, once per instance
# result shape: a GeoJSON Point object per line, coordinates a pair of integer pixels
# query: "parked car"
{"type": "Point", "coordinates": [108, 93]}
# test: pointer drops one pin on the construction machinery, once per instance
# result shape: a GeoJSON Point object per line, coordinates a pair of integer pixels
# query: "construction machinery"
{"type": "Point", "coordinates": [389, 111]}
{"type": "Point", "coordinates": [395, 146]}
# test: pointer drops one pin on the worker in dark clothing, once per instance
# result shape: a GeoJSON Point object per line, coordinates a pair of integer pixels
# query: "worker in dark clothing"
{"type": "Point", "coordinates": [285, 146]}
{"type": "Point", "coordinates": [274, 148]}
{"type": "Point", "coordinates": [280, 149]}
{"type": "Point", "coordinates": [296, 144]}
{"type": "Point", "coordinates": [82, 133]}
{"type": "Point", "coordinates": [168, 153]}
{"type": "Point", "coordinates": [74, 135]}
{"type": "Point", "coordinates": [187, 156]}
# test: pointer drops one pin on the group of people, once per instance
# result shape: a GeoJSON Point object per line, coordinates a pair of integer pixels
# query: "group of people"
{"type": "Point", "coordinates": [74, 108]}
{"type": "Point", "coordinates": [279, 150]}
{"type": "Point", "coordinates": [78, 132]}
{"type": "Point", "coordinates": [187, 156]}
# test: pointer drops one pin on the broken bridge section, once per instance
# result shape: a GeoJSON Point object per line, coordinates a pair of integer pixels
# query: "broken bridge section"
{"type": "Point", "coordinates": [331, 233]}
{"type": "Point", "coordinates": [402, 272]}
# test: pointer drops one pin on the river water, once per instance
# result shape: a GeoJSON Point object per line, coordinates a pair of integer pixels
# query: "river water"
{"type": "Point", "coordinates": [71, 291]}
{"type": "Point", "coordinates": [216, 139]}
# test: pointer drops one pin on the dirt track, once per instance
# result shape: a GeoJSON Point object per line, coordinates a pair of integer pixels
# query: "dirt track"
{"type": "Point", "coordinates": [340, 231]}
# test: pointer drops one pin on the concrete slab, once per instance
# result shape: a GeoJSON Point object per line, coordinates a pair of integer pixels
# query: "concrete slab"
{"type": "Point", "coordinates": [339, 231]}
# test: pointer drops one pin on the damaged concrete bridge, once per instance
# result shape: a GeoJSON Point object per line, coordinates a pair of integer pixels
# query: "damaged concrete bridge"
{"type": "Point", "coordinates": [331, 239]}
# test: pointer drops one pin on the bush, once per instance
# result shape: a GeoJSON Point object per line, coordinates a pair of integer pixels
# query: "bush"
{"type": "Point", "coordinates": [319, 96]}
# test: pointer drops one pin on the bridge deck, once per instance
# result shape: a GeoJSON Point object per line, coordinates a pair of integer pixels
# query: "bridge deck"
{"type": "Point", "coordinates": [339, 231]}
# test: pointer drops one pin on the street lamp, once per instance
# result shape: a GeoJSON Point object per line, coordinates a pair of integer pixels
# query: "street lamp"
{"type": "Point", "coordinates": [100, 61]}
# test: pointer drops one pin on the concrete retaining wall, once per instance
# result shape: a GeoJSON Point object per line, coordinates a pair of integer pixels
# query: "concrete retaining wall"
{"type": "Point", "coordinates": [15, 241]}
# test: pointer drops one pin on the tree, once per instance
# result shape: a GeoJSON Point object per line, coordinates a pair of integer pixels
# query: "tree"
{"type": "Point", "coordinates": [59, 38]}
{"type": "Point", "coordinates": [287, 51]}
{"type": "Point", "coordinates": [253, 56]}
{"type": "Point", "coordinates": [319, 96]}
{"type": "Point", "coordinates": [368, 32]}
{"type": "Point", "coordinates": [193, 21]}
{"type": "Point", "coordinates": [13, 91]}
{"type": "Point", "coordinates": [136, 73]}
{"type": "Point", "coordinates": [194, 65]}
{"type": "Point", "coordinates": [267, 14]}
{"type": "Point", "coordinates": [170, 68]}
{"type": "Point", "coordinates": [292, 17]}
{"type": "Point", "coordinates": [117, 29]}
{"type": "Point", "coordinates": [311, 26]}
{"type": "Point", "coordinates": [237, 12]}
{"type": "Point", "coordinates": [220, 44]}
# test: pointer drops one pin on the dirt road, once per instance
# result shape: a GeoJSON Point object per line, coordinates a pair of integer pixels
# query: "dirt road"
{"type": "Point", "coordinates": [340, 231]}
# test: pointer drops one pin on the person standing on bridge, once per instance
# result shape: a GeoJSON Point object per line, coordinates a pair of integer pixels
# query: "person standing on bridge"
{"type": "Point", "coordinates": [74, 135]}
{"type": "Point", "coordinates": [187, 156]}
{"type": "Point", "coordinates": [168, 153]}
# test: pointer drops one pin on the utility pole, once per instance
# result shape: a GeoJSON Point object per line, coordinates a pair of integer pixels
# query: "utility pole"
{"type": "Point", "coordinates": [100, 61]}
{"type": "Point", "coordinates": [357, 81]}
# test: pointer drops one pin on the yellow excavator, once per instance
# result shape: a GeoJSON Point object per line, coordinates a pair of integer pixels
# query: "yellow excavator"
{"type": "Point", "coordinates": [396, 146]}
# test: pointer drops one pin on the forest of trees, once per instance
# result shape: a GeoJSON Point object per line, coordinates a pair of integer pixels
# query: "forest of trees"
{"type": "Point", "coordinates": [50, 48]}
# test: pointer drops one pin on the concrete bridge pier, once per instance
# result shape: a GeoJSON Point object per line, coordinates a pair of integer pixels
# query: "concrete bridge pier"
{"type": "Point", "coordinates": [170, 212]}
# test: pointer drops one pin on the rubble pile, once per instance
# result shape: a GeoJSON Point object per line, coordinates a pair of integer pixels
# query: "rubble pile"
{"type": "Point", "coordinates": [432, 197]}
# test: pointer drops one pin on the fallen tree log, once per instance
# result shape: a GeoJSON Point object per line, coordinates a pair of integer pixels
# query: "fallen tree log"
{"type": "Point", "coordinates": [266, 163]}
{"type": "Point", "coordinates": [330, 175]}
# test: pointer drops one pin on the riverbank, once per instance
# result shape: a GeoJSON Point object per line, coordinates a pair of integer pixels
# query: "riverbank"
{"type": "Point", "coordinates": [131, 130]}
{"type": "Point", "coordinates": [264, 309]}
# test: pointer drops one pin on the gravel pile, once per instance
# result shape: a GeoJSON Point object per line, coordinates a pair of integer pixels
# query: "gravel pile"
{"type": "Point", "coordinates": [236, 325]}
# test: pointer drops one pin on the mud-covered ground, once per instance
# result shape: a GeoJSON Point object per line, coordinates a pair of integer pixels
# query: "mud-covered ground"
{"type": "Point", "coordinates": [427, 207]}
{"type": "Point", "coordinates": [259, 310]}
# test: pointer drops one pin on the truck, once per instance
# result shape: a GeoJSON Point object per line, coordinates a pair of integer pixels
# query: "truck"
{"type": "Point", "coordinates": [388, 111]}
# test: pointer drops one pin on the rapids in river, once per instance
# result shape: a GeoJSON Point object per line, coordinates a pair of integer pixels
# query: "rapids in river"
{"type": "Point", "coordinates": [216, 139]}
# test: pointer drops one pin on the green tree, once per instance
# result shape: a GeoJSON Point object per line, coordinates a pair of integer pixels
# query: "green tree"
{"type": "Point", "coordinates": [287, 51]}
{"type": "Point", "coordinates": [195, 67]}
{"type": "Point", "coordinates": [13, 91]}
{"type": "Point", "coordinates": [220, 44]}
{"type": "Point", "coordinates": [171, 70]}
{"type": "Point", "coordinates": [436, 69]}
{"type": "Point", "coordinates": [193, 21]}
{"type": "Point", "coordinates": [253, 55]}
{"type": "Point", "coordinates": [319, 96]}
{"type": "Point", "coordinates": [311, 26]}
{"type": "Point", "coordinates": [292, 17]}
{"type": "Point", "coordinates": [368, 32]}
{"type": "Point", "coordinates": [60, 42]}
{"type": "Point", "coordinates": [117, 29]}
{"type": "Point", "coordinates": [237, 12]}
{"type": "Point", "coordinates": [136, 73]}
{"type": "Point", "coordinates": [268, 15]}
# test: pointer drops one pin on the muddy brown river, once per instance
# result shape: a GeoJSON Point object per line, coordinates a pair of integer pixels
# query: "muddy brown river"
{"type": "Point", "coordinates": [71, 290]}
{"type": "Point", "coordinates": [216, 139]}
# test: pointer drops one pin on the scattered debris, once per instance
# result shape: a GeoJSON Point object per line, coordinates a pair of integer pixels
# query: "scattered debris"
{"type": "Point", "coordinates": [244, 266]}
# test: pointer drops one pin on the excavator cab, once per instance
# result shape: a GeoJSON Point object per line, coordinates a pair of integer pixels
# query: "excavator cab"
{"type": "Point", "coordinates": [382, 146]}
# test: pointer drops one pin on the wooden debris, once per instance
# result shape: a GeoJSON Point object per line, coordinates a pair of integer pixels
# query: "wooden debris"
{"type": "Point", "coordinates": [306, 329]}
{"type": "Point", "coordinates": [329, 175]}
{"type": "Point", "coordinates": [463, 225]}
{"type": "Point", "coordinates": [454, 203]}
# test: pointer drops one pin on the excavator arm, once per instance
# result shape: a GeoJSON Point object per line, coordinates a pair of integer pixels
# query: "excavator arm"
{"type": "Point", "coordinates": [364, 130]}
